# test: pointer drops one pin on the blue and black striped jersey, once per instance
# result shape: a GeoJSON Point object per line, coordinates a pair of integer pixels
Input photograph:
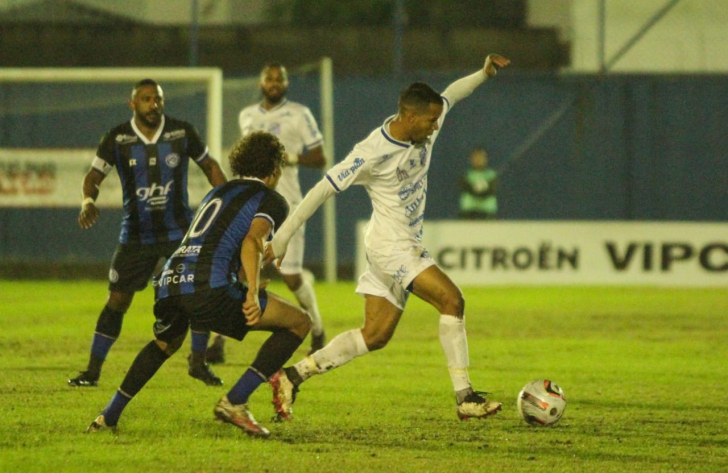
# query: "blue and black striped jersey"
{"type": "Point", "coordinates": [209, 256]}
{"type": "Point", "coordinates": [153, 177]}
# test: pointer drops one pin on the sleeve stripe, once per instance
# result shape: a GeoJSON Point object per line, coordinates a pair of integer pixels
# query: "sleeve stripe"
{"type": "Point", "coordinates": [267, 217]}
{"type": "Point", "coordinates": [204, 155]}
{"type": "Point", "coordinates": [331, 181]}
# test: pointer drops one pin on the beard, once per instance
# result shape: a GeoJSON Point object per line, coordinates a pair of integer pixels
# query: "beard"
{"type": "Point", "coordinates": [275, 97]}
{"type": "Point", "coordinates": [151, 119]}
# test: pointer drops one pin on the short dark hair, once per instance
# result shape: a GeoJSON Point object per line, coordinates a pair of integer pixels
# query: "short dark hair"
{"type": "Point", "coordinates": [274, 65]}
{"type": "Point", "coordinates": [259, 154]}
{"type": "Point", "coordinates": [418, 96]}
{"type": "Point", "coordinates": [141, 84]}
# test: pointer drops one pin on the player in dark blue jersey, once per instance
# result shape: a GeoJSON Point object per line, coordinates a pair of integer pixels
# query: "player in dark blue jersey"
{"type": "Point", "coordinates": [151, 154]}
{"type": "Point", "coordinates": [200, 289]}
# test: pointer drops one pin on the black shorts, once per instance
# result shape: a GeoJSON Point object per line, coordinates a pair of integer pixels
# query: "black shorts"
{"type": "Point", "coordinates": [218, 310]}
{"type": "Point", "coordinates": [133, 264]}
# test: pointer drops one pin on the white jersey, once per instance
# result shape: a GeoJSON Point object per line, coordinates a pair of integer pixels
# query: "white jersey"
{"type": "Point", "coordinates": [394, 173]}
{"type": "Point", "coordinates": [297, 130]}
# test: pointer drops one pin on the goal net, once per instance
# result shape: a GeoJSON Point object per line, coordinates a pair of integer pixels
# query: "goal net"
{"type": "Point", "coordinates": [51, 121]}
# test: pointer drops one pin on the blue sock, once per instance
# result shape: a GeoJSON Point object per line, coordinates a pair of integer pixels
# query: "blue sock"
{"type": "Point", "coordinates": [199, 341]}
{"type": "Point", "coordinates": [113, 411]}
{"type": "Point", "coordinates": [248, 382]}
{"type": "Point", "coordinates": [101, 346]}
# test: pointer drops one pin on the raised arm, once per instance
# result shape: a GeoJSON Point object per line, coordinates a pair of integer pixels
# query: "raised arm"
{"type": "Point", "coordinates": [465, 86]}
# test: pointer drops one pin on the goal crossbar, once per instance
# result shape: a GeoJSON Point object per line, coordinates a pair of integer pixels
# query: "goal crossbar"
{"type": "Point", "coordinates": [212, 77]}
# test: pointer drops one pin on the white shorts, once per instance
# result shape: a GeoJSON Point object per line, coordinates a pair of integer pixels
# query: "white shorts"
{"type": "Point", "coordinates": [293, 261]}
{"type": "Point", "coordinates": [390, 276]}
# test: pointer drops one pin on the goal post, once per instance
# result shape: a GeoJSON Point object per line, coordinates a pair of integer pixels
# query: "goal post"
{"type": "Point", "coordinates": [327, 125]}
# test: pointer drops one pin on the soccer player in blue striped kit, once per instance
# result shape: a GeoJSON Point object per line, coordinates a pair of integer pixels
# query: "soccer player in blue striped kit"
{"type": "Point", "coordinates": [151, 154]}
{"type": "Point", "coordinates": [199, 286]}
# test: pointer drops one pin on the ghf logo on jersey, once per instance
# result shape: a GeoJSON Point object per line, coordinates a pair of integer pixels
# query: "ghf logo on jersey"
{"type": "Point", "coordinates": [156, 195]}
{"type": "Point", "coordinates": [172, 160]}
{"type": "Point", "coordinates": [275, 129]}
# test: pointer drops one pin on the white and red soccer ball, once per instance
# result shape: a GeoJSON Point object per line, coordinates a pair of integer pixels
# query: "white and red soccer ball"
{"type": "Point", "coordinates": [541, 402]}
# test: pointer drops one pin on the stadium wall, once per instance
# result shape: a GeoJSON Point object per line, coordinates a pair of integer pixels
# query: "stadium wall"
{"type": "Point", "coordinates": [627, 148]}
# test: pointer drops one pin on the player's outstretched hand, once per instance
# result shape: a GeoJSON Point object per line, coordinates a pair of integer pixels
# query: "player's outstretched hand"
{"type": "Point", "coordinates": [493, 62]}
{"type": "Point", "coordinates": [88, 216]}
{"type": "Point", "coordinates": [269, 256]}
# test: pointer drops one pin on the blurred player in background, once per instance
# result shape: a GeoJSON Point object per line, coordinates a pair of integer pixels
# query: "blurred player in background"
{"type": "Point", "coordinates": [151, 153]}
{"type": "Point", "coordinates": [295, 126]}
{"type": "Point", "coordinates": [478, 188]}
{"type": "Point", "coordinates": [199, 285]}
{"type": "Point", "coordinates": [392, 164]}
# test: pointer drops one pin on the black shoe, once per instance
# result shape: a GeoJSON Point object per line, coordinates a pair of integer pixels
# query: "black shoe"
{"type": "Point", "coordinates": [317, 342]}
{"type": "Point", "coordinates": [203, 372]}
{"type": "Point", "coordinates": [100, 424]}
{"type": "Point", "coordinates": [84, 379]}
{"type": "Point", "coordinates": [215, 353]}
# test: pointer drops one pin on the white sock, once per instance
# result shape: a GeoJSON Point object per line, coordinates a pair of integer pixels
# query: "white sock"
{"type": "Point", "coordinates": [307, 299]}
{"type": "Point", "coordinates": [341, 349]}
{"type": "Point", "coordinates": [455, 344]}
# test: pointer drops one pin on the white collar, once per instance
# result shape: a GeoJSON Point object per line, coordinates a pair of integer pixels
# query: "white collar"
{"type": "Point", "coordinates": [144, 138]}
{"type": "Point", "coordinates": [253, 179]}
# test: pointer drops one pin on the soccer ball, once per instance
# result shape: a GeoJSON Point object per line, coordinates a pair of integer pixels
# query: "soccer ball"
{"type": "Point", "coordinates": [541, 402]}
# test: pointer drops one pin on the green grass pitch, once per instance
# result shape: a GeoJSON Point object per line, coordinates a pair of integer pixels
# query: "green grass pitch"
{"type": "Point", "coordinates": [644, 371]}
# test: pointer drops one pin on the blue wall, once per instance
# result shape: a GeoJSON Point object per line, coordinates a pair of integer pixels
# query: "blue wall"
{"type": "Point", "coordinates": [626, 148]}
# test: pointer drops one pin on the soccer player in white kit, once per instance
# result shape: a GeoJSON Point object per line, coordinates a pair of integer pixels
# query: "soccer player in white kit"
{"type": "Point", "coordinates": [296, 128]}
{"type": "Point", "coordinates": [392, 164]}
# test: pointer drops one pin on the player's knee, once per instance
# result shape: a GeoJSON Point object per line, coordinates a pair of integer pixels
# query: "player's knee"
{"type": "Point", "coordinates": [120, 301]}
{"type": "Point", "coordinates": [302, 324]}
{"type": "Point", "coordinates": [170, 348]}
{"type": "Point", "coordinates": [453, 304]}
{"type": "Point", "coordinates": [109, 322]}
{"type": "Point", "coordinates": [376, 340]}
{"type": "Point", "coordinates": [293, 281]}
